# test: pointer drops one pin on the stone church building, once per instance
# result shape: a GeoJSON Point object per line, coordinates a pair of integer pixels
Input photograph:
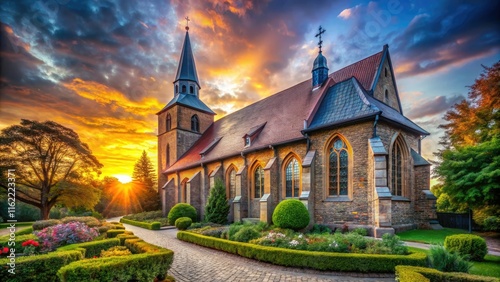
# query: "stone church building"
{"type": "Point", "coordinates": [338, 142]}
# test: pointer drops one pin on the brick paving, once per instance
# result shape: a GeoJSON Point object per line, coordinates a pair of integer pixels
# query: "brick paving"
{"type": "Point", "coordinates": [196, 263]}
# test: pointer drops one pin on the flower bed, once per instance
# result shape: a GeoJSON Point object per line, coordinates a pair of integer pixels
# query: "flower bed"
{"type": "Point", "coordinates": [315, 260]}
{"type": "Point", "coordinates": [423, 274]}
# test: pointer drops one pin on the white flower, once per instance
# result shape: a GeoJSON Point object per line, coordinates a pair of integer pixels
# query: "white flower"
{"type": "Point", "coordinates": [294, 243]}
{"type": "Point", "coordinates": [334, 244]}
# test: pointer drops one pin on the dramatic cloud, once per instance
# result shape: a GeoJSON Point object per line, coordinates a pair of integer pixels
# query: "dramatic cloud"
{"type": "Point", "coordinates": [432, 107]}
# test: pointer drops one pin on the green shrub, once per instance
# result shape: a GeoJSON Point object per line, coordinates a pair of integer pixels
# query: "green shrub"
{"type": "Point", "coordinates": [405, 273]}
{"type": "Point", "coordinates": [491, 223]}
{"type": "Point", "coordinates": [93, 248]}
{"type": "Point", "coordinates": [144, 216]}
{"type": "Point", "coordinates": [306, 259]}
{"type": "Point", "coordinates": [114, 232]}
{"type": "Point", "coordinates": [116, 251]}
{"type": "Point", "coordinates": [39, 267]}
{"type": "Point", "coordinates": [123, 237]}
{"type": "Point", "coordinates": [217, 208]}
{"type": "Point", "coordinates": [443, 260]}
{"type": "Point", "coordinates": [97, 215]}
{"type": "Point", "coordinates": [291, 213]}
{"type": "Point", "coordinates": [181, 210]}
{"type": "Point", "coordinates": [361, 231]}
{"type": "Point", "coordinates": [182, 223]}
{"type": "Point", "coordinates": [214, 231]}
{"type": "Point", "coordinates": [320, 229]}
{"type": "Point", "coordinates": [90, 221]}
{"type": "Point", "coordinates": [41, 224]}
{"type": "Point", "coordinates": [147, 225]}
{"type": "Point", "coordinates": [246, 234]}
{"type": "Point", "coordinates": [18, 240]}
{"type": "Point", "coordinates": [467, 244]}
{"type": "Point", "coordinates": [395, 245]}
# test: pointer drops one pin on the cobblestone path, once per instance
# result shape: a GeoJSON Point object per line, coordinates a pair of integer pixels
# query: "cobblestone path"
{"type": "Point", "coordinates": [196, 263]}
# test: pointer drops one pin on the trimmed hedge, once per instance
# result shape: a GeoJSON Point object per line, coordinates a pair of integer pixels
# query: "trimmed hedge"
{"type": "Point", "coordinates": [181, 210]}
{"type": "Point", "coordinates": [150, 262]}
{"type": "Point", "coordinates": [38, 268]}
{"type": "Point", "coordinates": [182, 223]}
{"type": "Point", "coordinates": [148, 225]}
{"type": "Point", "coordinates": [467, 244]}
{"type": "Point", "coordinates": [93, 248]}
{"type": "Point", "coordinates": [112, 233]}
{"type": "Point", "coordinates": [123, 237]}
{"type": "Point", "coordinates": [307, 259]}
{"type": "Point", "coordinates": [291, 213]}
{"type": "Point", "coordinates": [41, 224]}
{"type": "Point", "coordinates": [405, 273]}
{"type": "Point", "coordinates": [4, 241]}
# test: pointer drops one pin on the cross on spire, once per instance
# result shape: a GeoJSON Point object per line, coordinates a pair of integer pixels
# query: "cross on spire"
{"type": "Point", "coordinates": [187, 23]}
{"type": "Point", "coordinates": [321, 30]}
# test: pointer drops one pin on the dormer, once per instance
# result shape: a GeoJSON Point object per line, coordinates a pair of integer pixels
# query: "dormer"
{"type": "Point", "coordinates": [252, 134]}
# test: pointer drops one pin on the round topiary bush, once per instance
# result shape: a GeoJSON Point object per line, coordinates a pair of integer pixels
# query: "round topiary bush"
{"type": "Point", "coordinates": [467, 244]}
{"type": "Point", "coordinates": [291, 214]}
{"type": "Point", "coordinates": [182, 223]}
{"type": "Point", "coordinates": [181, 210]}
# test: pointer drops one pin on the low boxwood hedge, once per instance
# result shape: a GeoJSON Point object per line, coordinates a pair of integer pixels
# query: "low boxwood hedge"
{"type": "Point", "coordinates": [93, 248]}
{"type": "Point", "coordinates": [148, 262]}
{"type": "Point", "coordinates": [38, 268]}
{"type": "Point", "coordinates": [112, 233]}
{"type": "Point", "coordinates": [123, 237]}
{"type": "Point", "coordinates": [467, 244]}
{"type": "Point", "coordinates": [148, 225]}
{"type": "Point", "coordinates": [405, 273]}
{"type": "Point", "coordinates": [308, 259]}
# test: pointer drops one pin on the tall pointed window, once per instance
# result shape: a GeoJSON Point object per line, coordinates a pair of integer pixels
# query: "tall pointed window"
{"type": "Point", "coordinates": [191, 89]}
{"type": "Point", "coordinates": [184, 190]}
{"type": "Point", "coordinates": [398, 160]}
{"type": "Point", "coordinates": [168, 155]}
{"type": "Point", "coordinates": [258, 183]}
{"type": "Point", "coordinates": [231, 183]}
{"type": "Point", "coordinates": [195, 123]}
{"type": "Point", "coordinates": [338, 170]}
{"type": "Point", "coordinates": [169, 122]}
{"type": "Point", "coordinates": [292, 178]}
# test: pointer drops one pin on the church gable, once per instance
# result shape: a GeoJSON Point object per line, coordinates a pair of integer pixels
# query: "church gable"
{"type": "Point", "coordinates": [384, 84]}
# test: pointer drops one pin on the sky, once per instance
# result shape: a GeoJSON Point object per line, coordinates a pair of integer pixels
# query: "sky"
{"type": "Point", "coordinates": [104, 68]}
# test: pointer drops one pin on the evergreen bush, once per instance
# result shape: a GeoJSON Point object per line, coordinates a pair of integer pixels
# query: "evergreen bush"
{"type": "Point", "coordinates": [182, 223]}
{"type": "Point", "coordinates": [217, 208]}
{"type": "Point", "coordinates": [467, 244]}
{"type": "Point", "coordinates": [446, 261]}
{"type": "Point", "coordinates": [291, 213]}
{"type": "Point", "coordinates": [181, 210]}
{"type": "Point", "coordinates": [246, 234]}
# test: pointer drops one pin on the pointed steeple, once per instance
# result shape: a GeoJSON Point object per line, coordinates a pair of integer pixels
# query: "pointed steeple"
{"type": "Point", "coordinates": [320, 67]}
{"type": "Point", "coordinates": [187, 68]}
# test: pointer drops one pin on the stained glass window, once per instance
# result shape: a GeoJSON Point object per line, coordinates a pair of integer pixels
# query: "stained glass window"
{"type": "Point", "coordinates": [338, 180]}
{"type": "Point", "coordinates": [397, 168]}
{"type": "Point", "coordinates": [232, 184]}
{"type": "Point", "coordinates": [258, 182]}
{"type": "Point", "coordinates": [292, 181]}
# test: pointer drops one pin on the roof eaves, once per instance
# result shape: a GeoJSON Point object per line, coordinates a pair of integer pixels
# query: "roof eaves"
{"type": "Point", "coordinates": [379, 69]}
{"type": "Point", "coordinates": [210, 146]}
{"type": "Point", "coordinates": [419, 131]}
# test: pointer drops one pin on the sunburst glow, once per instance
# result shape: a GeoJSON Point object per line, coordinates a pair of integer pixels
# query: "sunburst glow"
{"type": "Point", "coordinates": [123, 178]}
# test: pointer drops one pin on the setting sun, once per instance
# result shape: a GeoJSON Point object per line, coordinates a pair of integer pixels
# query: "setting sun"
{"type": "Point", "coordinates": [123, 178]}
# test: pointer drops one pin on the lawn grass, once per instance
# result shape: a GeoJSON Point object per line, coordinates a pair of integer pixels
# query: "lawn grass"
{"type": "Point", "coordinates": [18, 224]}
{"type": "Point", "coordinates": [429, 236]}
{"type": "Point", "coordinates": [489, 267]}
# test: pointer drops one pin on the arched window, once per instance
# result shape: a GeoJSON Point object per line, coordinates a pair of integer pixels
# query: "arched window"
{"type": "Point", "coordinates": [168, 155]}
{"type": "Point", "coordinates": [191, 89]}
{"type": "Point", "coordinates": [183, 89]}
{"type": "Point", "coordinates": [258, 182]}
{"type": "Point", "coordinates": [398, 160]}
{"type": "Point", "coordinates": [195, 123]}
{"type": "Point", "coordinates": [231, 182]}
{"type": "Point", "coordinates": [292, 178]}
{"type": "Point", "coordinates": [169, 122]}
{"type": "Point", "coordinates": [184, 190]}
{"type": "Point", "coordinates": [338, 169]}
{"type": "Point", "coordinates": [176, 89]}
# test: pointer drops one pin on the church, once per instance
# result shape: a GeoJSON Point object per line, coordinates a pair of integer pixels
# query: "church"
{"type": "Point", "coordinates": [338, 142]}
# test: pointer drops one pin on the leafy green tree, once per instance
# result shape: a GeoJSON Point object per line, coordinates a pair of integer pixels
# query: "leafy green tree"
{"type": "Point", "coordinates": [469, 167]}
{"type": "Point", "coordinates": [51, 165]}
{"type": "Point", "coordinates": [145, 185]}
{"type": "Point", "coordinates": [217, 208]}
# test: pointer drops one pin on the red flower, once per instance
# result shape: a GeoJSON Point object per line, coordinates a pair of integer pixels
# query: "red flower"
{"type": "Point", "coordinates": [30, 242]}
{"type": "Point", "coordinates": [5, 250]}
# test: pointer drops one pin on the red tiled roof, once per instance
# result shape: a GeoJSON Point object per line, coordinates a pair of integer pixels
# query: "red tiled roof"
{"type": "Point", "coordinates": [284, 114]}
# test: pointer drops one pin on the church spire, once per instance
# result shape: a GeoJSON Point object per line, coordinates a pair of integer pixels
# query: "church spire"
{"type": "Point", "coordinates": [320, 67]}
{"type": "Point", "coordinates": [186, 71]}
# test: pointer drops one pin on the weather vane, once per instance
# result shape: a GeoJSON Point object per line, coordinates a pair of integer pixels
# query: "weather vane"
{"type": "Point", "coordinates": [321, 30]}
{"type": "Point", "coordinates": [187, 23]}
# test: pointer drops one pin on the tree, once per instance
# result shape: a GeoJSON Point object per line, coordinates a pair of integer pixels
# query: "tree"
{"type": "Point", "coordinates": [217, 208]}
{"type": "Point", "coordinates": [144, 184]}
{"type": "Point", "coordinates": [144, 171]}
{"type": "Point", "coordinates": [469, 170]}
{"type": "Point", "coordinates": [50, 164]}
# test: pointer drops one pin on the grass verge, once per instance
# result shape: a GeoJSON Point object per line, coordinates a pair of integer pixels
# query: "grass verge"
{"type": "Point", "coordinates": [429, 236]}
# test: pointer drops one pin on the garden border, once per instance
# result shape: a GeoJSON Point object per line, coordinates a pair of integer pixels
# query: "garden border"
{"type": "Point", "coordinates": [405, 273]}
{"type": "Point", "coordinates": [151, 226]}
{"type": "Point", "coordinates": [315, 260]}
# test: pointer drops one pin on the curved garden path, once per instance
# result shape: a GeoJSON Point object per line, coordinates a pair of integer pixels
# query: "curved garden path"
{"type": "Point", "coordinates": [196, 263]}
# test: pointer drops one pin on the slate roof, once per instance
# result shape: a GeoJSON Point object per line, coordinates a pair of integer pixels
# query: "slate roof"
{"type": "Point", "coordinates": [188, 100]}
{"type": "Point", "coordinates": [418, 160]}
{"type": "Point", "coordinates": [343, 96]}
{"type": "Point", "coordinates": [187, 68]}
